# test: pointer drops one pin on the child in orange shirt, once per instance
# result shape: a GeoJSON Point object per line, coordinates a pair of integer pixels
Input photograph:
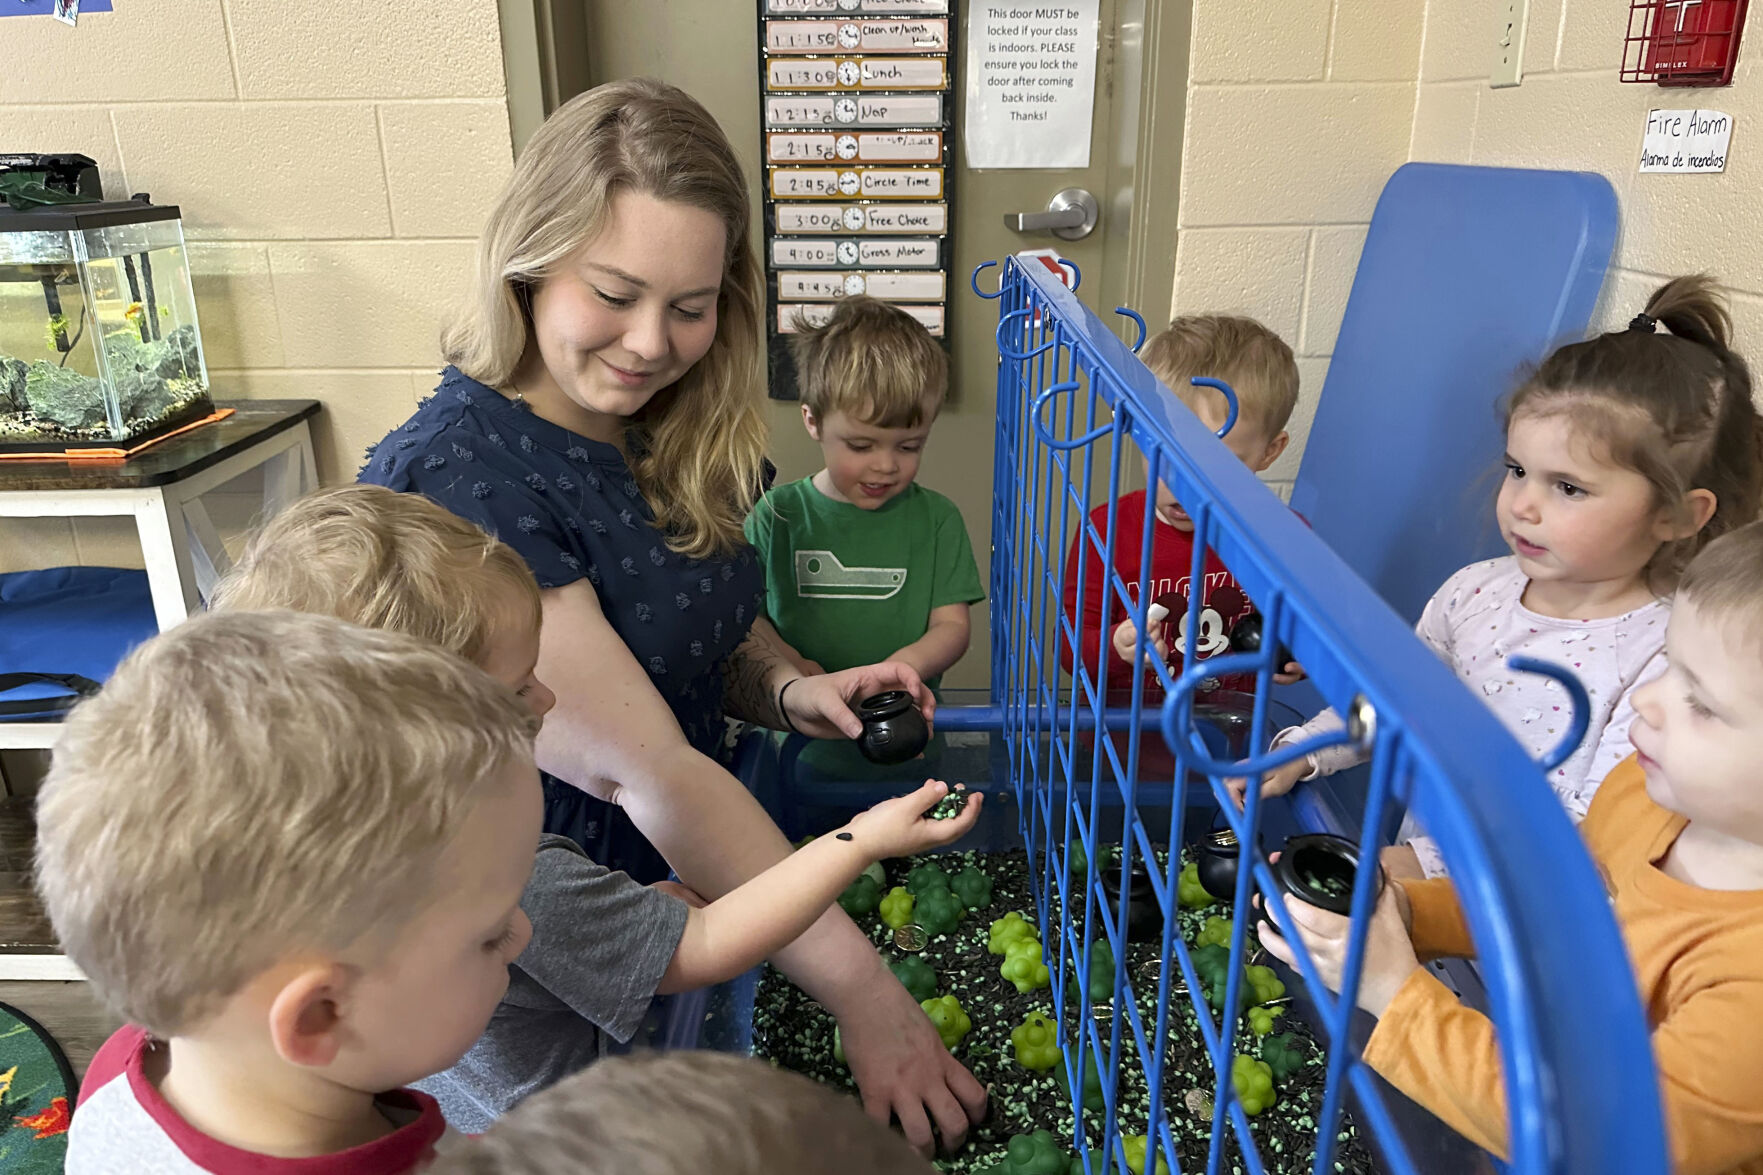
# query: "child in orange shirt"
{"type": "Point", "coordinates": [1677, 832]}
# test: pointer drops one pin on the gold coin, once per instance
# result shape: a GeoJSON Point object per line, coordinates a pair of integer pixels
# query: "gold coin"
{"type": "Point", "coordinates": [911, 937]}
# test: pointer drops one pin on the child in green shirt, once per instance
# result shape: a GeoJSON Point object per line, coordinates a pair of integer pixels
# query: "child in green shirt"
{"type": "Point", "coordinates": [862, 564]}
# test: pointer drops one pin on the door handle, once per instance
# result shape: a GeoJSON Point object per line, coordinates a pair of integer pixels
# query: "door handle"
{"type": "Point", "coordinates": [1071, 215]}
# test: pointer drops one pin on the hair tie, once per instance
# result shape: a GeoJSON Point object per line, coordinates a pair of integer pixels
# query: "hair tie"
{"type": "Point", "coordinates": [1644, 322]}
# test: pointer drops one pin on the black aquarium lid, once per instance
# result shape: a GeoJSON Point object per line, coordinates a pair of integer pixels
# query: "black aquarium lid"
{"type": "Point", "coordinates": [71, 217]}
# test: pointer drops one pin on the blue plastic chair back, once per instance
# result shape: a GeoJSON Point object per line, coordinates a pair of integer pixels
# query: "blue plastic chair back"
{"type": "Point", "coordinates": [1468, 274]}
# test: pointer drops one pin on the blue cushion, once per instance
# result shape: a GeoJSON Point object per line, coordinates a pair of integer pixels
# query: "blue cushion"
{"type": "Point", "coordinates": [68, 622]}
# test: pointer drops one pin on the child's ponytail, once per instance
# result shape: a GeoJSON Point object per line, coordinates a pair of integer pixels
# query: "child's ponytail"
{"type": "Point", "coordinates": [1675, 407]}
{"type": "Point", "coordinates": [1690, 308]}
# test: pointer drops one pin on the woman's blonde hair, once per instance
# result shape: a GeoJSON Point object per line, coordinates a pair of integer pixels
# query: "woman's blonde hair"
{"type": "Point", "coordinates": [697, 447]}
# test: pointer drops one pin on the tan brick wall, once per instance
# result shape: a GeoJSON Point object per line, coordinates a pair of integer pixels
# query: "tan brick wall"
{"type": "Point", "coordinates": [334, 161]}
{"type": "Point", "coordinates": [1296, 116]}
{"type": "Point", "coordinates": [1295, 120]}
{"type": "Point", "coordinates": [1572, 112]}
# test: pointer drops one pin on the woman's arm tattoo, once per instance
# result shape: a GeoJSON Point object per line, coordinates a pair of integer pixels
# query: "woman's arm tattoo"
{"type": "Point", "coordinates": [751, 677]}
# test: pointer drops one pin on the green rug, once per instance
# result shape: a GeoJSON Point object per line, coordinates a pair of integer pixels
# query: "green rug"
{"type": "Point", "coordinates": [36, 1094]}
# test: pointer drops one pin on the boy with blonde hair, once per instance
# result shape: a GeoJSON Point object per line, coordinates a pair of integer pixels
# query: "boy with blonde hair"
{"type": "Point", "coordinates": [1676, 832]}
{"type": "Point", "coordinates": [863, 564]}
{"type": "Point", "coordinates": [602, 945]}
{"type": "Point", "coordinates": [686, 1113]}
{"type": "Point", "coordinates": [1259, 367]}
{"type": "Point", "coordinates": [290, 853]}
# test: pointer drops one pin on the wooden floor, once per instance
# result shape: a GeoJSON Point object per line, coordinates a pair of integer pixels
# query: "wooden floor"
{"type": "Point", "coordinates": [24, 928]}
{"type": "Point", "coordinates": [69, 1011]}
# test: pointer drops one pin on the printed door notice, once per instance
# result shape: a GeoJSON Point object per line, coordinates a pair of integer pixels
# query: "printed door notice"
{"type": "Point", "coordinates": [1031, 83]}
{"type": "Point", "coordinates": [1686, 140]}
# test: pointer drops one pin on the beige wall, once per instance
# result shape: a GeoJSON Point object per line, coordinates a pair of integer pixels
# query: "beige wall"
{"type": "Point", "coordinates": [333, 160]}
{"type": "Point", "coordinates": [1571, 112]}
{"type": "Point", "coordinates": [1296, 116]}
{"type": "Point", "coordinates": [1293, 128]}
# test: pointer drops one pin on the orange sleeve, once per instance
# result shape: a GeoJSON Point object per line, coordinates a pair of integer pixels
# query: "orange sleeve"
{"type": "Point", "coordinates": [1709, 1051]}
{"type": "Point", "coordinates": [1439, 931]}
{"type": "Point", "coordinates": [1444, 1056]}
{"type": "Point", "coordinates": [1709, 1054]}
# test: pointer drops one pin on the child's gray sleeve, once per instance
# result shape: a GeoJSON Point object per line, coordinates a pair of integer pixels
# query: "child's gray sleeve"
{"type": "Point", "coordinates": [601, 942]}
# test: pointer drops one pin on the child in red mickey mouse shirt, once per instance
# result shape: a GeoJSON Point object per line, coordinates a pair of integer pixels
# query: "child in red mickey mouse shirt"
{"type": "Point", "coordinates": [1259, 367]}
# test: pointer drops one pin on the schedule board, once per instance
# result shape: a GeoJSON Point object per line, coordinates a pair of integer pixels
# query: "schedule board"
{"type": "Point", "coordinates": [856, 111]}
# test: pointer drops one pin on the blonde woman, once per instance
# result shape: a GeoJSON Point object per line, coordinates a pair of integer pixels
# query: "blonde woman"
{"type": "Point", "coordinates": [601, 415]}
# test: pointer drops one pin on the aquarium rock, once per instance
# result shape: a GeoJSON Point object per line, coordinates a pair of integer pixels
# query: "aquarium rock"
{"type": "Point", "coordinates": [12, 377]}
{"type": "Point", "coordinates": [64, 397]}
{"type": "Point", "coordinates": [143, 371]}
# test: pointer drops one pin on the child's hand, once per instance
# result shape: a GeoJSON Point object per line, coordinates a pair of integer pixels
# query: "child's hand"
{"type": "Point", "coordinates": [1389, 952]}
{"type": "Point", "coordinates": [899, 827]}
{"type": "Point", "coordinates": [1401, 861]}
{"type": "Point", "coordinates": [1277, 782]}
{"type": "Point", "coordinates": [689, 896]}
{"type": "Point", "coordinates": [1292, 673]}
{"type": "Point", "coordinates": [1126, 635]}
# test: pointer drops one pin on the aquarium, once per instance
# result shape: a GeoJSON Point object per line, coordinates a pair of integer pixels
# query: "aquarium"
{"type": "Point", "coordinates": [99, 344]}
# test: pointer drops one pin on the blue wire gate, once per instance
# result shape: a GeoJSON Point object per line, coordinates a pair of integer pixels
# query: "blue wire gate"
{"type": "Point", "coordinates": [1076, 413]}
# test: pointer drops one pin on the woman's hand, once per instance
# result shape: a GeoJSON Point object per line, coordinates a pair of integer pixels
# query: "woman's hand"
{"type": "Point", "coordinates": [1389, 952]}
{"type": "Point", "coordinates": [904, 1072]}
{"type": "Point", "coordinates": [899, 827]}
{"type": "Point", "coordinates": [821, 705]}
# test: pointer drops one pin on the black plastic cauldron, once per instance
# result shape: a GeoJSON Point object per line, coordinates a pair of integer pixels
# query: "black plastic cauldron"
{"type": "Point", "coordinates": [1319, 869]}
{"type": "Point", "coordinates": [1144, 921]}
{"type": "Point", "coordinates": [1215, 860]}
{"type": "Point", "coordinates": [1245, 637]}
{"type": "Point", "coordinates": [893, 729]}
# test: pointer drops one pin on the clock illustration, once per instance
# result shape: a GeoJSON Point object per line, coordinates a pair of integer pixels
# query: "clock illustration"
{"type": "Point", "coordinates": [849, 5]}
{"type": "Point", "coordinates": [847, 252]}
{"type": "Point", "coordinates": [845, 109]}
{"type": "Point", "coordinates": [854, 284]}
{"type": "Point", "coordinates": [849, 182]}
{"type": "Point", "coordinates": [854, 219]}
{"type": "Point", "coordinates": [849, 73]}
{"type": "Point", "coordinates": [849, 36]}
{"type": "Point", "coordinates": [847, 146]}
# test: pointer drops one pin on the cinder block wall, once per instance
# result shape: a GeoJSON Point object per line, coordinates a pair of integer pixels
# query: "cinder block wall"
{"type": "Point", "coordinates": [1572, 112]}
{"type": "Point", "coordinates": [1296, 120]}
{"type": "Point", "coordinates": [1296, 116]}
{"type": "Point", "coordinates": [334, 161]}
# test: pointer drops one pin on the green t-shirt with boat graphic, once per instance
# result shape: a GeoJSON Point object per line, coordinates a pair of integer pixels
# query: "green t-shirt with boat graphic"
{"type": "Point", "coordinates": [847, 586]}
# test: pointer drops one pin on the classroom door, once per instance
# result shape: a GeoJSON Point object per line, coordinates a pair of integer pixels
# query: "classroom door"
{"type": "Point", "coordinates": [711, 49]}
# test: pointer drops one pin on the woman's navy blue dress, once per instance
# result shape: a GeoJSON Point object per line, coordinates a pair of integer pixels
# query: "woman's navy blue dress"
{"type": "Point", "coordinates": [572, 509]}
